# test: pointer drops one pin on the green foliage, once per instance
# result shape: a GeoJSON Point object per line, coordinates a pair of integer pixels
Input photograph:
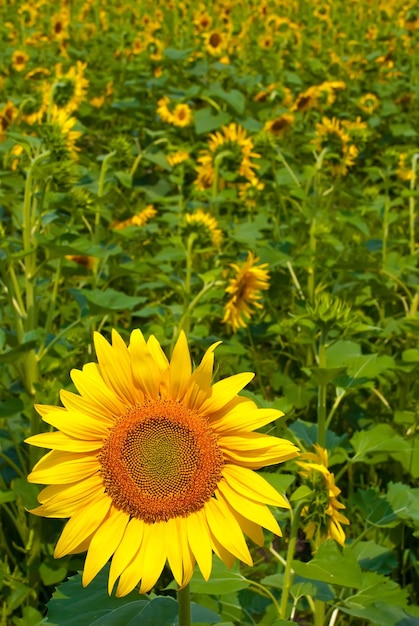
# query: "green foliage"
{"type": "Point", "coordinates": [334, 343]}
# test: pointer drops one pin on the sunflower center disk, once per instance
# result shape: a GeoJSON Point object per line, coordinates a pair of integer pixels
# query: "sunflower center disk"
{"type": "Point", "coordinates": [161, 460]}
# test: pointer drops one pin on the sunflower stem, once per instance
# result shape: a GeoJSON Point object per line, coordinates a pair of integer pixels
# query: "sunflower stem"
{"type": "Point", "coordinates": [184, 601]}
{"type": "Point", "coordinates": [288, 574]}
{"type": "Point", "coordinates": [321, 402]}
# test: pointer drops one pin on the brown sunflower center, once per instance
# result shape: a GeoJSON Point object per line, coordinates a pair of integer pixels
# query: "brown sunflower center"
{"type": "Point", "coordinates": [161, 460]}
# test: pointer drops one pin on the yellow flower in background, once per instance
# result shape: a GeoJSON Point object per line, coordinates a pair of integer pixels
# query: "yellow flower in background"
{"type": "Point", "coordinates": [7, 115]}
{"type": "Point", "coordinates": [19, 60]}
{"type": "Point", "coordinates": [368, 103]}
{"type": "Point", "coordinates": [182, 116]}
{"type": "Point", "coordinates": [140, 219]}
{"type": "Point", "coordinates": [231, 148]}
{"type": "Point", "coordinates": [279, 125]}
{"type": "Point", "coordinates": [332, 135]}
{"type": "Point", "coordinates": [216, 42]}
{"type": "Point", "coordinates": [244, 291]}
{"type": "Point", "coordinates": [69, 89]}
{"type": "Point", "coordinates": [88, 262]}
{"type": "Point", "coordinates": [65, 123]}
{"type": "Point", "coordinates": [322, 517]}
{"type": "Point", "coordinates": [206, 222]}
{"type": "Point", "coordinates": [154, 463]}
{"type": "Point", "coordinates": [177, 157]}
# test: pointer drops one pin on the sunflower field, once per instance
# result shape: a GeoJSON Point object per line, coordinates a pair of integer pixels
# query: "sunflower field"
{"type": "Point", "coordinates": [209, 317]}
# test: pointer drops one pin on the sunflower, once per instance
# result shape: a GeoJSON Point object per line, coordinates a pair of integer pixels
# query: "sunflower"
{"type": "Point", "coordinates": [332, 135]}
{"type": "Point", "coordinates": [153, 462]}
{"type": "Point", "coordinates": [232, 151]}
{"type": "Point", "coordinates": [140, 219]}
{"type": "Point", "coordinates": [323, 519]}
{"type": "Point", "coordinates": [205, 224]}
{"type": "Point", "coordinates": [69, 89]}
{"type": "Point", "coordinates": [368, 103]}
{"type": "Point", "coordinates": [62, 123]}
{"type": "Point", "coordinates": [182, 116]}
{"type": "Point", "coordinates": [178, 157]}
{"type": "Point", "coordinates": [216, 42]}
{"type": "Point", "coordinates": [7, 115]}
{"type": "Point", "coordinates": [279, 125]}
{"type": "Point", "coordinates": [244, 290]}
{"type": "Point", "coordinates": [19, 60]}
{"type": "Point", "coordinates": [308, 99]}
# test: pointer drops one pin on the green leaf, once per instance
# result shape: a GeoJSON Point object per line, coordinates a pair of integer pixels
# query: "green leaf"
{"type": "Point", "coordinates": [109, 300]}
{"type": "Point", "coordinates": [206, 121]}
{"type": "Point", "coordinates": [332, 566]}
{"type": "Point", "coordinates": [234, 98]}
{"type": "Point", "coordinates": [10, 356]}
{"type": "Point", "coordinates": [10, 407]}
{"type": "Point", "coordinates": [221, 581]}
{"type": "Point", "coordinates": [381, 438]}
{"type": "Point", "coordinates": [374, 508]}
{"type": "Point", "coordinates": [324, 375]}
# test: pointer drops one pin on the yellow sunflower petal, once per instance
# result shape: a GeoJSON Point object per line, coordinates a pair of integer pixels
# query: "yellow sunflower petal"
{"type": "Point", "coordinates": [249, 484]}
{"type": "Point", "coordinates": [58, 468]}
{"type": "Point", "coordinates": [81, 525]}
{"type": "Point", "coordinates": [244, 417]}
{"type": "Point", "coordinates": [256, 512]}
{"type": "Point", "coordinates": [65, 500]}
{"type": "Point", "coordinates": [145, 375]}
{"type": "Point", "coordinates": [76, 423]}
{"type": "Point", "coordinates": [85, 406]}
{"type": "Point", "coordinates": [255, 450]}
{"type": "Point", "coordinates": [153, 555]}
{"type": "Point", "coordinates": [104, 543]}
{"type": "Point", "coordinates": [200, 542]}
{"type": "Point", "coordinates": [225, 390]}
{"type": "Point", "coordinates": [226, 529]}
{"type": "Point", "coordinates": [180, 369]}
{"type": "Point", "coordinates": [60, 441]}
{"type": "Point", "coordinates": [126, 551]}
{"type": "Point", "coordinates": [89, 383]}
{"type": "Point", "coordinates": [200, 382]}
{"type": "Point", "coordinates": [115, 368]}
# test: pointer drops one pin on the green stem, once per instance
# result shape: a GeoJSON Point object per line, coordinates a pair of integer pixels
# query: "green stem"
{"type": "Point", "coordinates": [319, 612]}
{"type": "Point", "coordinates": [184, 322]}
{"type": "Point", "coordinates": [101, 188]}
{"type": "Point", "coordinates": [412, 215]}
{"type": "Point", "coordinates": [321, 402]}
{"type": "Point", "coordinates": [385, 228]}
{"type": "Point", "coordinates": [288, 574]}
{"type": "Point", "coordinates": [184, 601]}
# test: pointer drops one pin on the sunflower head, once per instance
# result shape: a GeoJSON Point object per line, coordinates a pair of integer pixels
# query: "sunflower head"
{"type": "Point", "coordinates": [322, 513]}
{"type": "Point", "coordinates": [152, 462]}
{"type": "Point", "coordinates": [244, 290]}
{"type": "Point", "coordinates": [206, 228]}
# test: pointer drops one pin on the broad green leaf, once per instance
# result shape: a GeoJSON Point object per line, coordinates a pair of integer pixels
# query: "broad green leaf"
{"type": "Point", "coordinates": [375, 509]}
{"type": "Point", "coordinates": [74, 605]}
{"type": "Point", "coordinates": [404, 501]}
{"type": "Point", "coordinates": [380, 614]}
{"type": "Point", "coordinates": [380, 439]}
{"type": "Point", "coordinates": [12, 355]}
{"type": "Point", "coordinates": [8, 408]}
{"type": "Point", "coordinates": [221, 581]}
{"type": "Point", "coordinates": [109, 300]}
{"type": "Point", "coordinates": [375, 587]}
{"type": "Point", "coordinates": [331, 565]}
{"type": "Point", "coordinates": [373, 557]}
{"type": "Point", "coordinates": [206, 120]}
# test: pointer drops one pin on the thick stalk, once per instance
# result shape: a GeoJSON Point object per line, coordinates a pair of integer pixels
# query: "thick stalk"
{"type": "Point", "coordinates": [321, 400]}
{"type": "Point", "coordinates": [412, 214]}
{"type": "Point", "coordinates": [184, 601]}
{"type": "Point", "coordinates": [288, 574]}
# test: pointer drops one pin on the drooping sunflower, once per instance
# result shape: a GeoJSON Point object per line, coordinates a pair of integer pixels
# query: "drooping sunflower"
{"type": "Point", "coordinates": [154, 463]}
{"type": "Point", "coordinates": [232, 150]}
{"type": "Point", "coordinates": [322, 516]}
{"type": "Point", "coordinates": [69, 89]}
{"type": "Point", "coordinates": [279, 125]}
{"type": "Point", "coordinates": [178, 157]}
{"type": "Point", "coordinates": [205, 225]}
{"type": "Point", "coordinates": [332, 135]}
{"type": "Point", "coordinates": [139, 219]}
{"type": "Point", "coordinates": [244, 291]}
